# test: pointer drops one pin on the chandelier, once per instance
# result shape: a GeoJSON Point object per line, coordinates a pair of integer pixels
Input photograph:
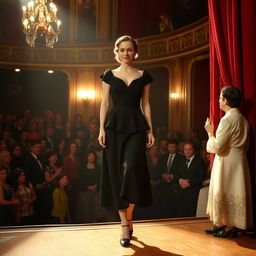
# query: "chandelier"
{"type": "Point", "coordinates": [40, 17]}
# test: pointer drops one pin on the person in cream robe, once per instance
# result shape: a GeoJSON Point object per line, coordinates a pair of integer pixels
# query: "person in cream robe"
{"type": "Point", "coordinates": [229, 202]}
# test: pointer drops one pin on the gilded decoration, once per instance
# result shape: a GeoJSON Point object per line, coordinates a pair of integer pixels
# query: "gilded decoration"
{"type": "Point", "coordinates": [181, 42]}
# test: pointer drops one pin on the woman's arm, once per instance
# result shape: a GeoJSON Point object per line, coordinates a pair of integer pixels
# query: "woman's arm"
{"type": "Point", "coordinates": [147, 113]}
{"type": "Point", "coordinates": [49, 178]}
{"type": "Point", "coordinates": [103, 113]}
{"type": "Point", "coordinates": [6, 202]}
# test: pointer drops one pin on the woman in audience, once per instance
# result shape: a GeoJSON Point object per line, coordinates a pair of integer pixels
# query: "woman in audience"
{"type": "Point", "coordinates": [17, 157]}
{"type": "Point", "coordinates": [6, 163]}
{"type": "Point", "coordinates": [7, 200]}
{"type": "Point", "coordinates": [60, 211]}
{"type": "Point", "coordinates": [61, 150]}
{"type": "Point", "coordinates": [52, 170]}
{"type": "Point", "coordinates": [71, 166]}
{"type": "Point", "coordinates": [24, 192]}
{"type": "Point", "coordinates": [89, 197]}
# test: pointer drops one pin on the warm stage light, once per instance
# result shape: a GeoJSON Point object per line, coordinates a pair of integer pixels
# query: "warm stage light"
{"type": "Point", "coordinates": [175, 95]}
{"type": "Point", "coordinates": [86, 95]}
{"type": "Point", "coordinates": [17, 70]}
{"type": "Point", "coordinates": [50, 71]}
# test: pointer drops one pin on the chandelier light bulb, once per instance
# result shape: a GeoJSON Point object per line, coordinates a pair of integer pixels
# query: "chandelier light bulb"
{"type": "Point", "coordinates": [25, 22]}
{"type": "Point", "coordinates": [24, 8]}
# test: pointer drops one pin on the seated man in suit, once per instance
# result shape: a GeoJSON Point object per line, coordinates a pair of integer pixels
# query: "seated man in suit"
{"type": "Point", "coordinates": [188, 181]}
{"type": "Point", "coordinates": [168, 165]}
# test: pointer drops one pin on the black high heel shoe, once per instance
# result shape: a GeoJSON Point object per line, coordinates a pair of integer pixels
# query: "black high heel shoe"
{"type": "Point", "coordinates": [130, 227]}
{"type": "Point", "coordinates": [214, 230]}
{"type": "Point", "coordinates": [230, 233]}
{"type": "Point", "coordinates": [125, 241]}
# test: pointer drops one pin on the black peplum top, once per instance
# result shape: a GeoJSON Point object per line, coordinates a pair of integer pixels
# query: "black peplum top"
{"type": "Point", "coordinates": [125, 116]}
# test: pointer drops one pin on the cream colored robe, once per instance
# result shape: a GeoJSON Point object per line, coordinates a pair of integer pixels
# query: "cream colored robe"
{"type": "Point", "coordinates": [229, 201]}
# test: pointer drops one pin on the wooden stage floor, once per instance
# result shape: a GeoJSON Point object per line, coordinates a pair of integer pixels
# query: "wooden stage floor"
{"type": "Point", "coordinates": [151, 238]}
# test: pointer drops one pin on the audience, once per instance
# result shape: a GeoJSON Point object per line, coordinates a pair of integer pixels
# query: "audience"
{"type": "Point", "coordinates": [24, 192]}
{"type": "Point", "coordinates": [89, 197]}
{"type": "Point", "coordinates": [60, 210]}
{"type": "Point", "coordinates": [169, 166]}
{"type": "Point", "coordinates": [71, 166]}
{"type": "Point", "coordinates": [188, 180]}
{"type": "Point", "coordinates": [60, 171]}
{"type": "Point", "coordinates": [7, 200]}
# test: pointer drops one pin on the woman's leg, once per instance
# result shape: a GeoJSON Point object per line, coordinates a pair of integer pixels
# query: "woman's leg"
{"type": "Point", "coordinates": [124, 223]}
{"type": "Point", "coordinates": [130, 211]}
{"type": "Point", "coordinates": [129, 216]}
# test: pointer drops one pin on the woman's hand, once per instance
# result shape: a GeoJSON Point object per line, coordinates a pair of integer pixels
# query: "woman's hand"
{"type": "Point", "coordinates": [151, 140]}
{"type": "Point", "coordinates": [209, 127]}
{"type": "Point", "coordinates": [102, 138]}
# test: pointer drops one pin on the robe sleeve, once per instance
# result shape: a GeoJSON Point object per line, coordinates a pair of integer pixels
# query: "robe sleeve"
{"type": "Point", "coordinates": [219, 143]}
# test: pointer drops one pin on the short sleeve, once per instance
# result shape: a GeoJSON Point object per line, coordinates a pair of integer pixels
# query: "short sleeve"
{"type": "Point", "coordinates": [147, 78]}
{"type": "Point", "coordinates": [105, 77]}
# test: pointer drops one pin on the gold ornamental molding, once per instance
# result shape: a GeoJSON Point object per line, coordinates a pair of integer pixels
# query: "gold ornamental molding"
{"type": "Point", "coordinates": [188, 40]}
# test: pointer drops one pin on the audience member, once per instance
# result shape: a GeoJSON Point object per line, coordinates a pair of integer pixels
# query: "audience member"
{"type": "Point", "coordinates": [169, 166]}
{"type": "Point", "coordinates": [89, 197]}
{"type": "Point", "coordinates": [188, 180]}
{"type": "Point", "coordinates": [61, 147]}
{"type": "Point", "coordinates": [60, 211]}
{"type": "Point", "coordinates": [6, 163]}
{"type": "Point", "coordinates": [33, 134]}
{"type": "Point", "coordinates": [7, 138]}
{"type": "Point", "coordinates": [162, 147]}
{"type": "Point", "coordinates": [18, 127]}
{"type": "Point", "coordinates": [49, 138]}
{"type": "Point", "coordinates": [6, 200]}
{"type": "Point", "coordinates": [24, 142]}
{"type": "Point", "coordinates": [24, 192]}
{"type": "Point", "coordinates": [52, 171]}
{"type": "Point", "coordinates": [18, 159]}
{"type": "Point", "coordinates": [71, 166]}
{"type": "Point", "coordinates": [35, 174]}
{"type": "Point", "coordinates": [58, 127]}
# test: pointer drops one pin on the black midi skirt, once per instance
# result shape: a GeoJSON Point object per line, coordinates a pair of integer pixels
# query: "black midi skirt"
{"type": "Point", "coordinates": [124, 175]}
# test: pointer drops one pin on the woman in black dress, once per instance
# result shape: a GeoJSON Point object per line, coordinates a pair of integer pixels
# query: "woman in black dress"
{"type": "Point", "coordinates": [125, 132]}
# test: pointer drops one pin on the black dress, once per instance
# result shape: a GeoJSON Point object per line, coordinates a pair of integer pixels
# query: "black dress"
{"type": "Point", "coordinates": [124, 176]}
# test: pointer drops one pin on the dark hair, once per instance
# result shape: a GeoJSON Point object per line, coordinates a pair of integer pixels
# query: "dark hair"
{"type": "Point", "coordinates": [232, 95]}
{"type": "Point", "coordinates": [16, 174]}
{"type": "Point", "coordinates": [51, 153]}
{"type": "Point", "coordinates": [173, 141]}
{"type": "Point", "coordinates": [124, 39]}
{"type": "Point", "coordinates": [91, 152]}
{"type": "Point", "coordinates": [34, 142]}
{"type": "Point", "coordinates": [189, 142]}
{"type": "Point", "coordinates": [69, 146]}
{"type": "Point", "coordinates": [59, 178]}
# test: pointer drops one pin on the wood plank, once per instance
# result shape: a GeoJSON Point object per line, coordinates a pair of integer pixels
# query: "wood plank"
{"type": "Point", "coordinates": [160, 238]}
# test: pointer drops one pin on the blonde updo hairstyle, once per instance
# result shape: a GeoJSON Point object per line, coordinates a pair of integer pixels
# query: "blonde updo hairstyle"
{"type": "Point", "coordinates": [123, 39]}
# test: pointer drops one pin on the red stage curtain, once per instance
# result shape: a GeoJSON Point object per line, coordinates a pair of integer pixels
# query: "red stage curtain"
{"type": "Point", "coordinates": [232, 26]}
